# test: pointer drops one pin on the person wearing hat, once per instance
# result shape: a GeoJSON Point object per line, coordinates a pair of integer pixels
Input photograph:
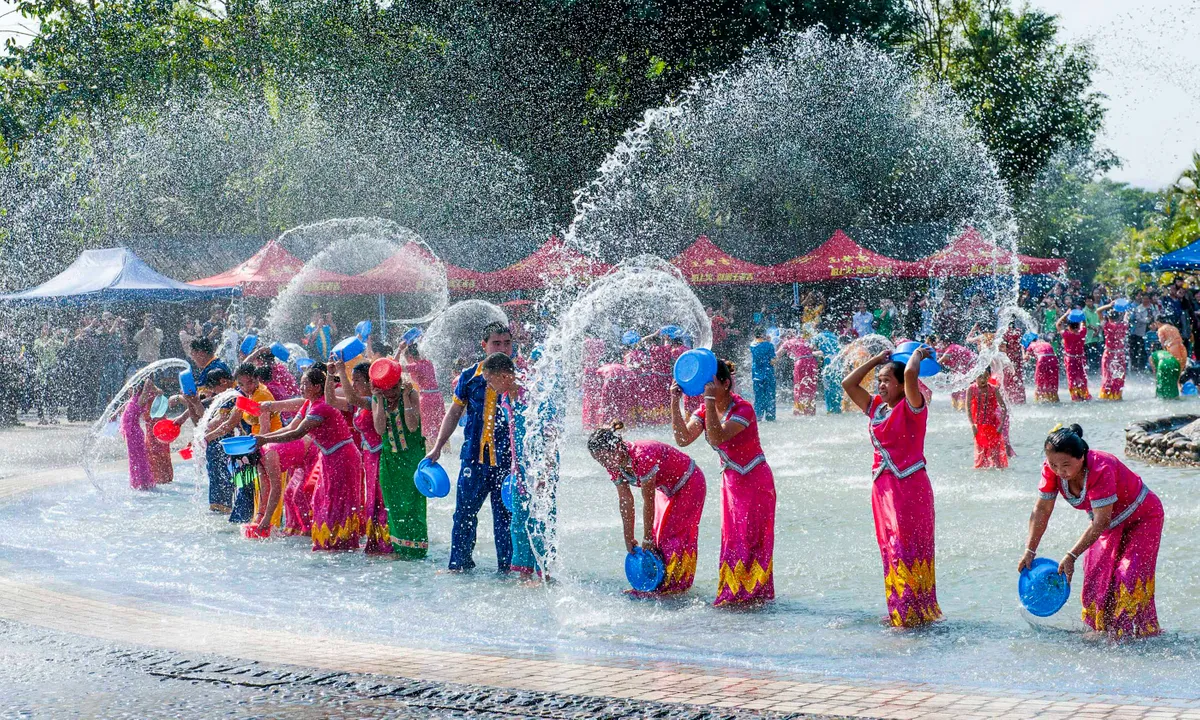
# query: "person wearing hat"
{"type": "Point", "coordinates": [1070, 328]}
{"type": "Point", "coordinates": [486, 457]}
{"type": "Point", "coordinates": [1121, 540]}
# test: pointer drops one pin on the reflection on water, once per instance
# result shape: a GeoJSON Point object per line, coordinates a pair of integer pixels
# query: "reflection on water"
{"type": "Point", "coordinates": [165, 547]}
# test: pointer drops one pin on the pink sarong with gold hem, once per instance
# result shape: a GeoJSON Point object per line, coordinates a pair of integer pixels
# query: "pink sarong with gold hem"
{"type": "Point", "coordinates": [902, 504]}
{"type": "Point", "coordinates": [747, 569]}
{"type": "Point", "coordinates": [678, 504]}
{"type": "Point", "coordinates": [1119, 568]}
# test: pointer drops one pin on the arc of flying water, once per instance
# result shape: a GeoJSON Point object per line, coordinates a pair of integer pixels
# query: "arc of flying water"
{"type": "Point", "coordinates": [89, 454]}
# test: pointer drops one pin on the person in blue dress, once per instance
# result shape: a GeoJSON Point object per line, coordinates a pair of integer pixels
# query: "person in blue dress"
{"type": "Point", "coordinates": [486, 457]}
{"type": "Point", "coordinates": [762, 371]}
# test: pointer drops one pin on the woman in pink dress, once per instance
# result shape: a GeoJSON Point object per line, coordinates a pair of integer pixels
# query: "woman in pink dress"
{"type": "Point", "coordinates": [1045, 370]}
{"type": "Point", "coordinates": [656, 383]}
{"type": "Point", "coordinates": [422, 374]}
{"type": "Point", "coordinates": [1121, 540]}
{"type": "Point", "coordinates": [356, 394]}
{"type": "Point", "coordinates": [957, 359]}
{"type": "Point", "coordinates": [804, 375]}
{"type": "Point", "coordinates": [901, 496]}
{"type": "Point", "coordinates": [1074, 357]}
{"type": "Point", "coordinates": [593, 355]}
{"type": "Point", "coordinates": [140, 475]}
{"type": "Point", "coordinates": [336, 503]}
{"type": "Point", "coordinates": [672, 490]}
{"type": "Point", "coordinates": [729, 424]}
{"type": "Point", "coordinates": [637, 363]}
{"type": "Point", "coordinates": [1013, 383]}
{"type": "Point", "coordinates": [1114, 362]}
{"type": "Point", "coordinates": [616, 394]}
{"type": "Point", "coordinates": [989, 422]}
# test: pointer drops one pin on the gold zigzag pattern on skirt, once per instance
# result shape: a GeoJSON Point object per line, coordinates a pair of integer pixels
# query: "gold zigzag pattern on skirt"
{"type": "Point", "coordinates": [681, 567]}
{"type": "Point", "coordinates": [739, 578]}
{"type": "Point", "coordinates": [1130, 602]}
{"type": "Point", "coordinates": [323, 536]}
{"type": "Point", "coordinates": [919, 578]}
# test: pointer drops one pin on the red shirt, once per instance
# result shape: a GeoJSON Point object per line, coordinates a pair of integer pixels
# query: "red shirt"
{"type": "Point", "coordinates": [1106, 481]}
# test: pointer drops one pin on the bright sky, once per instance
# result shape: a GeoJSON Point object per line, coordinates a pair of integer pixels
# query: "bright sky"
{"type": "Point", "coordinates": [1149, 68]}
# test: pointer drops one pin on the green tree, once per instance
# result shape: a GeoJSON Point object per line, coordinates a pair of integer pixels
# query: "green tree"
{"type": "Point", "coordinates": [1175, 223]}
{"type": "Point", "coordinates": [1030, 95]}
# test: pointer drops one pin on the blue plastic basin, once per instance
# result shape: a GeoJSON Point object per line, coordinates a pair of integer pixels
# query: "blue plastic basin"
{"type": "Point", "coordinates": [694, 369]}
{"type": "Point", "coordinates": [644, 570]}
{"type": "Point", "coordinates": [431, 479]}
{"type": "Point", "coordinates": [1042, 588]}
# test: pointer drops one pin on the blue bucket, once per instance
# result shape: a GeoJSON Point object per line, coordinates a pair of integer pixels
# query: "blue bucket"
{"type": "Point", "coordinates": [1076, 316]}
{"type": "Point", "coordinates": [1027, 339]}
{"type": "Point", "coordinates": [187, 382]}
{"type": "Point", "coordinates": [431, 479]}
{"type": "Point", "coordinates": [240, 445]}
{"type": "Point", "coordinates": [671, 331]}
{"type": "Point", "coordinates": [644, 570]}
{"type": "Point", "coordinates": [158, 408]}
{"type": "Point", "coordinates": [304, 363]}
{"type": "Point", "coordinates": [348, 349]}
{"type": "Point", "coordinates": [249, 344]}
{"type": "Point", "coordinates": [280, 352]}
{"type": "Point", "coordinates": [412, 335]}
{"type": "Point", "coordinates": [1042, 588]}
{"type": "Point", "coordinates": [694, 369]}
{"type": "Point", "coordinates": [1122, 305]}
{"type": "Point", "coordinates": [363, 330]}
{"type": "Point", "coordinates": [508, 492]}
{"type": "Point", "coordinates": [1189, 388]}
{"type": "Point", "coordinates": [630, 337]}
{"type": "Point", "coordinates": [929, 366]}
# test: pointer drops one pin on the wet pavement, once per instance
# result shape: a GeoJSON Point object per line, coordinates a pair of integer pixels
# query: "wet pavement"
{"type": "Point", "coordinates": [45, 674]}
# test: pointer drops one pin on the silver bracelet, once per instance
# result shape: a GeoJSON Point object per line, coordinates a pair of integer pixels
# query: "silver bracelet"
{"type": "Point", "coordinates": [710, 397]}
{"type": "Point", "coordinates": [1031, 551]}
{"type": "Point", "coordinates": [1073, 555]}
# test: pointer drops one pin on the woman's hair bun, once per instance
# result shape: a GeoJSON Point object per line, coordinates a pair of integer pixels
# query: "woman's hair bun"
{"type": "Point", "coordinates": [617, 426]}
{"type": "Point", "coordinates": [1077, 429]}
{"type": "Point", "coordinates": [732, 367]}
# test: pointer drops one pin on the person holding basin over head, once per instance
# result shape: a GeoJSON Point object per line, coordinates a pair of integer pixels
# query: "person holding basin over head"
{"type": "Point", "coordinates": [730, 426]}
{"type": "Point", "coordinates": [336, 500]}
{"type": "Point", "coordinates": [486, 457]}
{"type": "Point", "coordinates": [901, 495]}
{"type": "Point", "coordinates": [672, 490]}
{"type": "Point", "coordinates": [395, 417]}
{"type": "Point", "coordinates": [1121, 541]}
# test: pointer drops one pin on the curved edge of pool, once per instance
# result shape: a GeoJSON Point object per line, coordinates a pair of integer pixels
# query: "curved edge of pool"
{"type": "Point", "coordinates": [76, 610]}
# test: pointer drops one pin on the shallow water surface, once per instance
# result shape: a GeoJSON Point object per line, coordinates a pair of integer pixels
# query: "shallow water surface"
{"type": "Point", "coordinates": [828, 619]}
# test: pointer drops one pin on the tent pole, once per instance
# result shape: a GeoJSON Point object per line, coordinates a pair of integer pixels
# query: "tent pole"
{"type": "Point", "coordinates": [382, 318]}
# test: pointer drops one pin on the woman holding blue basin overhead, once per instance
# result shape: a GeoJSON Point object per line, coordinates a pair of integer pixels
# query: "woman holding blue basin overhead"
{"type": "Point", "coordinates": [337, 498]}
{"type": "Point", "coordinates": [729, 424]}
{"type": "Point", "coordinates": [1121, 542]}
{"type": "Point", "coordinates": [901, 496]}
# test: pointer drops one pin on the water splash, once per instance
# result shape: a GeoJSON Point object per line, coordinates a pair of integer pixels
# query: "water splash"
{"type": "Point", "coordinates": [107, 427]}
{"type": "Point", "coordinates": [351, 263]}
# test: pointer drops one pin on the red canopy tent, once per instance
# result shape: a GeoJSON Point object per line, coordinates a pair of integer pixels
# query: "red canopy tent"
{"type": "Point", "coordinates": [553, 260]}
{"type": "Point", "coordinates": [408, 271]}
{"type": "Point", "coordinates": [840, 258]}
{"type": "Point", "coordinates": [703, 263]}
{"type": "Point", "coordinates": [973, 255]}
{"type": "Point", "coordinates": [268, 271]}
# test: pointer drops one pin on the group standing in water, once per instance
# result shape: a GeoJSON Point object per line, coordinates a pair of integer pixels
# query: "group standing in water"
{"type": "Point", "coordinates": [341, 472]}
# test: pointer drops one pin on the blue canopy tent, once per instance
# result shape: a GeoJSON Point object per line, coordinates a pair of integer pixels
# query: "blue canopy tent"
{"type": "Point", "coordinates": [1185, 258]}
{"type": "Point", "coordinates": [113, 275]}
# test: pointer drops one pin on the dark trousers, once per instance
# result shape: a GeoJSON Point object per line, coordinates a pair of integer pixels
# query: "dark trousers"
{"type": "Point", "coordinates": [1137, 353]}
{"type": "Point", "coordinates": [475, 484]}
{"type": "Point", "coordinates": [220, 481]}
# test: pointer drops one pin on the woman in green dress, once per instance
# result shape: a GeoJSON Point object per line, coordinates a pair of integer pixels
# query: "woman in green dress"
{"type": "Point", "coordinates": [396, 413]}
{"type": "Point", "coordinates": [1166, 374]}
